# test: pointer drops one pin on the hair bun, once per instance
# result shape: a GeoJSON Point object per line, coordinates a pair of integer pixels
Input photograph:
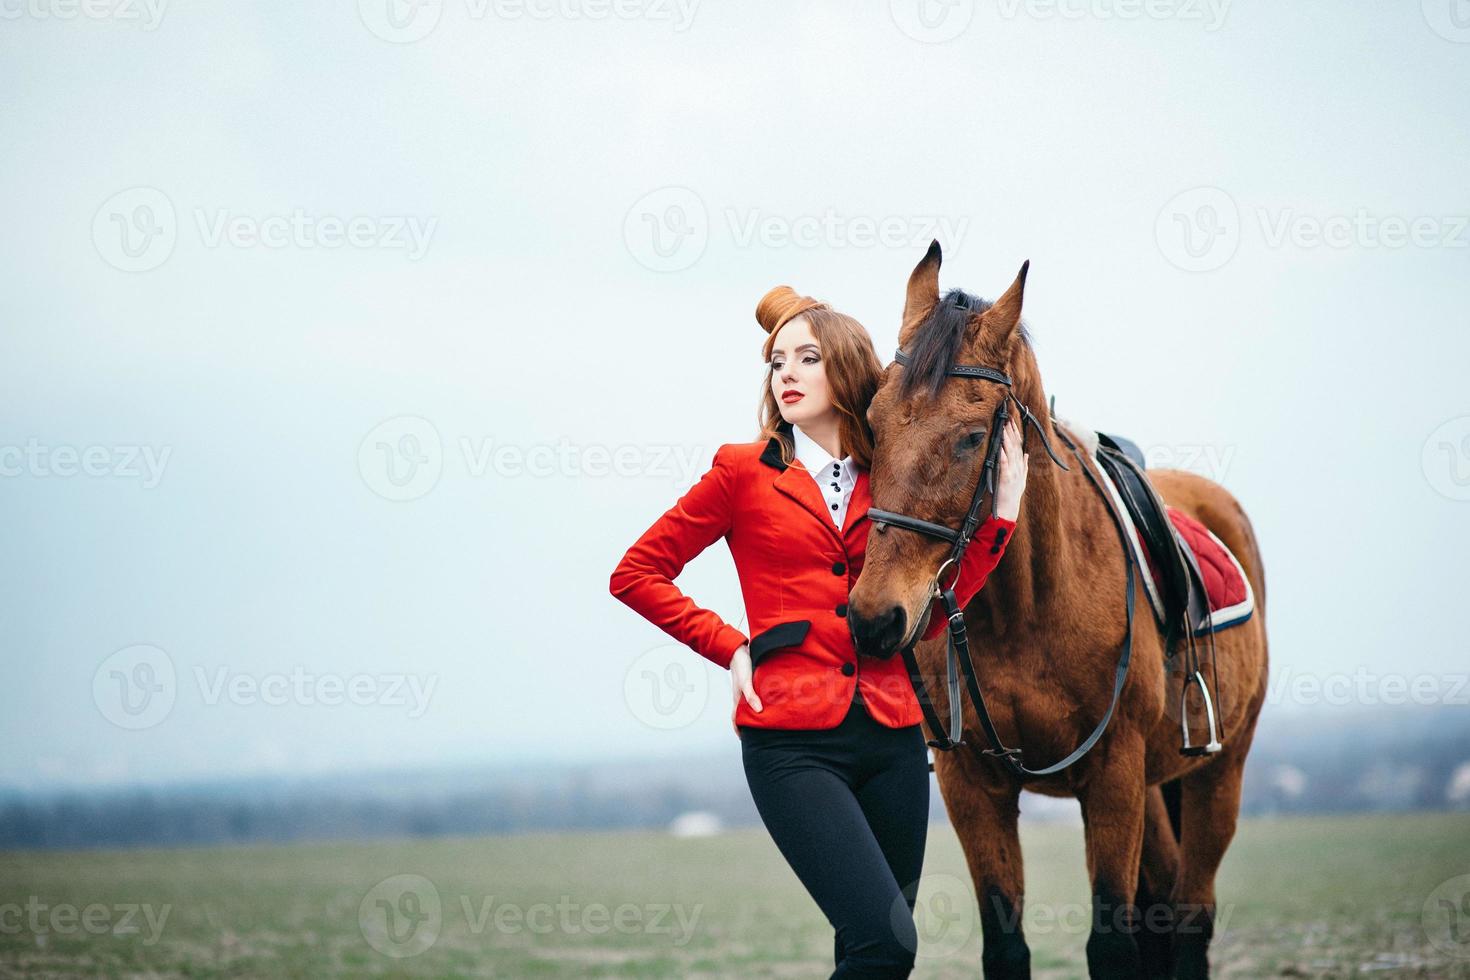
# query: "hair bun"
{"type": "Point", "coordinates": [780, 305]}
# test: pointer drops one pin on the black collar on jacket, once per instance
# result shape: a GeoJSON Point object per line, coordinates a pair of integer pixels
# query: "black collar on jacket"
{"type": "Point", "coordinates": [771, 455]}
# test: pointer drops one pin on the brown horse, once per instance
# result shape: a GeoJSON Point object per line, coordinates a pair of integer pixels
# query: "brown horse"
{"type": "Point", "coordinates": [1046, 632]}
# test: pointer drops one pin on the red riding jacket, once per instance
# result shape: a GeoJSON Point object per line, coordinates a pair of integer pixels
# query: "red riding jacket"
{"type": "Point", "coordinates": [795, 568]}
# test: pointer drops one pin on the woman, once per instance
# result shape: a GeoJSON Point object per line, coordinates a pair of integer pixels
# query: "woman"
{"type": "Point", "coordinates": [833, 748]}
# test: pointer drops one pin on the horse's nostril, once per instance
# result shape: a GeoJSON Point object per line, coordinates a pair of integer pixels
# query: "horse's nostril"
{"type": "Point", "coordinates": [880, 635]}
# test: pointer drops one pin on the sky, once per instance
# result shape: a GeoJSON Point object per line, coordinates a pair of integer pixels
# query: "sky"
{"type": "Point", "coordinates": [345, 347]}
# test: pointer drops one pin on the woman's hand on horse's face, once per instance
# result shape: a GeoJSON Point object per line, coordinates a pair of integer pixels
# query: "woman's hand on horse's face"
{"type": "Point", "coordinates": [1011, 481]}
{"type": "Point", "coordinates": [740, 683]}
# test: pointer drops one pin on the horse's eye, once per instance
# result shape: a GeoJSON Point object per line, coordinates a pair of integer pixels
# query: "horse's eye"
{"type": "Point", "coordinates": [969, 441]}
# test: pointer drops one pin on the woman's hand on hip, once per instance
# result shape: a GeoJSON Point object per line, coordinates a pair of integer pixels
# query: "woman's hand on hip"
{"type": "Point", "coordinates": [740, 683]}
{"type": "Point", "coordinates": [1010, 483]}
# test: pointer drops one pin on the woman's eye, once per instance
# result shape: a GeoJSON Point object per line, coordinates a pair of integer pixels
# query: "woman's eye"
{"type": "Point", "coordinates": [810, 359]}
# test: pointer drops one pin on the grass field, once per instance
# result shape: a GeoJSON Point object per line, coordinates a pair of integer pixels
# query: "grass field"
{"type": "Point", "coordinates": [1302, 897]}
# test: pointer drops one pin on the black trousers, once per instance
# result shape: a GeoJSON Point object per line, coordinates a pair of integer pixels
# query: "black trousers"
{"type": "Point", "coordinates": [848, 807]}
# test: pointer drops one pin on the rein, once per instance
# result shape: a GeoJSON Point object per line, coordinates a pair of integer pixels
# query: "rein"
{"type": "Point", "coordinates": [958, 644]}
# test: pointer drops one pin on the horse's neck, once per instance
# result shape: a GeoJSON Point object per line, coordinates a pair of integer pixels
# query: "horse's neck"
{"type": "Point", "coordinates": [1040, 569]}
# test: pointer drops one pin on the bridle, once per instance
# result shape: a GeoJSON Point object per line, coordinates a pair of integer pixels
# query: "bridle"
{"type": "Point", "coordinates": [960, 539]}
{"type": "Point", "coordinates": [958, 645]}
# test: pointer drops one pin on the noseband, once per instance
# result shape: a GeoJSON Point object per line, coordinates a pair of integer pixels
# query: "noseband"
{"type": "Point", "coordinates": [958, 646]}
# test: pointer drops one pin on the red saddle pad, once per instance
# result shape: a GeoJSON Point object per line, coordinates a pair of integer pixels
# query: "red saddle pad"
{"type": "Point", "coordinates": [1229, 591]}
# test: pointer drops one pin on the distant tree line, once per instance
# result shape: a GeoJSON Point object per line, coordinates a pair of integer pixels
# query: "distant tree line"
{"type": "Point", "coordinates": [1393, 761]}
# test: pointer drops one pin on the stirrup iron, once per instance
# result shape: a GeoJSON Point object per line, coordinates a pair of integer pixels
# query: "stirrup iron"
{"type": "Point", "coordinates": [1213, 745]}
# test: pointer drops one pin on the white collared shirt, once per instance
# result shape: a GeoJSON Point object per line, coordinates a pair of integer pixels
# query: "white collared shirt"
{"type": "Point", "coordinates": [834, 477]}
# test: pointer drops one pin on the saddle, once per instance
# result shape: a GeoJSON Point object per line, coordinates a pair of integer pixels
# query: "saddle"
{"type": "Point", "coordinates": [1182, 604]}
{"type": "Point", "coordinates": [1179, 596]}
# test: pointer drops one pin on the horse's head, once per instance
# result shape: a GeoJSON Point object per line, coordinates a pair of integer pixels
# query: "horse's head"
{"type": "Point", "coordinates": [931, 435]}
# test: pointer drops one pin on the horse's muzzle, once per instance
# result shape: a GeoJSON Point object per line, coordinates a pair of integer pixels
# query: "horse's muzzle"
{"type": "Point", "coordinates": [880, 636]}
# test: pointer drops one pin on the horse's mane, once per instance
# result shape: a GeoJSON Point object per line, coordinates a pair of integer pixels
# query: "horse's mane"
{"type": "Point", "coordinates": [936, 342]}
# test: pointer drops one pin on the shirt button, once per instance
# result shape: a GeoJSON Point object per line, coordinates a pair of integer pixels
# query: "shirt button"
{"type": "Point", "coordinates": [834, 506]}
{"type": "Point", "coordinates": [839, 568]}
{"type": "Point", "coordinates": [849, 669]}
{"type": "Point", "coordinates": [842, 610]}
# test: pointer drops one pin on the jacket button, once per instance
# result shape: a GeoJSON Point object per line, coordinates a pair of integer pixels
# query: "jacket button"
{"type": "Point", "coordinates": [849, 669]}
{"type": "Point", "coordinates": [839, 568]}
{"type": "Point", "coordinates": [842, 610]}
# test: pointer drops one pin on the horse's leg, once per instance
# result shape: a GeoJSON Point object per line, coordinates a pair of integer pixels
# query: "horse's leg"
{"type": "Point", "coordinates": [1158, 870]}
{"type": "Point", "coordinates": [1113, 804]}
{"type": "Point", "coordinates": [1211, 803]}
{"type": "Point", "coordinates": [983, 810]}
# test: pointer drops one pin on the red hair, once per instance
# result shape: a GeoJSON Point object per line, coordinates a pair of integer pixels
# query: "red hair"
{"type": "Point", "coordinates": [852, 367]}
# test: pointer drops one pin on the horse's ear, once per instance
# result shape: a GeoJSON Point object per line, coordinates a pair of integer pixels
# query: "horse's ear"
{"type": "Point", "coordinates": [923, 291]}
{"type": "Point", "coordinates": [1002, 318]}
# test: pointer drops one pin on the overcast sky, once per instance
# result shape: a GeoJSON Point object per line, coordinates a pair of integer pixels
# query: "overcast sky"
{"type": "Point", "coordinates": [344, 348]}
